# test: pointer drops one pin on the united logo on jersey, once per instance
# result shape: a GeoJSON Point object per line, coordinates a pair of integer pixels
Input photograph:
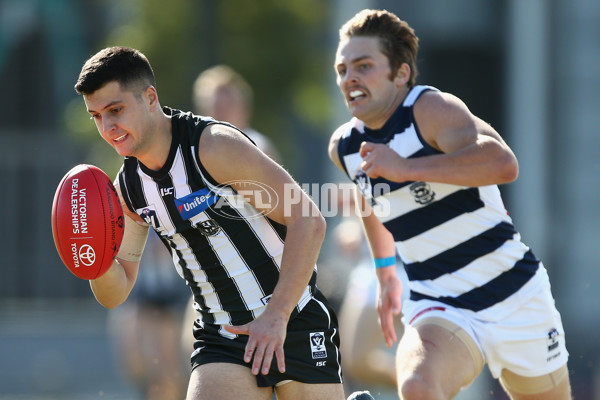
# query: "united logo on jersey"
{"type": "Point", "coordinates": [194, 203]}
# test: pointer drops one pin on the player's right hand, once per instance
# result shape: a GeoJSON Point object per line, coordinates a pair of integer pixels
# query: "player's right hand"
{"type": "Point", "coordinates": [389, 305]}
{"type": "Point", "coordinates": [266, 335]}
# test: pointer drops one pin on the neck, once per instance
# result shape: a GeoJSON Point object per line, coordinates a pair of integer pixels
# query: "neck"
{"type": "Point", "coordinates": [159, 143]}
{"type": "Point", "coordinates": [384, 116]}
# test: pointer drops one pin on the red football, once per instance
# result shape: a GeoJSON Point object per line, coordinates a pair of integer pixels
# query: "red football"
{"type": "Point", "coordinates": [87, 221]}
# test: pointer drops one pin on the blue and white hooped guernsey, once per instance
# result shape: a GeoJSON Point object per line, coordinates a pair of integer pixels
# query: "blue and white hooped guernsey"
{"type": "Point", "coordinates": [458, 244]}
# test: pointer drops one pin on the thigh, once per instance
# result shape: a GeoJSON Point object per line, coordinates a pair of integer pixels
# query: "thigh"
{"type": "Point", "coordinates": [314, 391]}
{"type": "Point", "coordinates": [225, 381]}
{"type": "Point", "coordinates": [552, 386]}
{"type": "Point", "coordinates": [439, 355]}
{"type": "Point", "coordinates": [311, 349]}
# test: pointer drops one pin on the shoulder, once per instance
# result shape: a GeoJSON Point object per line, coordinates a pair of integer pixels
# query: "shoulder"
{"type": "Point", "coordinates": [438, 106]}
{"type": "Point", "coordinates": [437, 113]}
{"type": "Point", "coordinates": [222, 145]}
{"type": "Point", "coordinates": [218, 136]}
{"type": "Point", "coordinates": [187, 123]}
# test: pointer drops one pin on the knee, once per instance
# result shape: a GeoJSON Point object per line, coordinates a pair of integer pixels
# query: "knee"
{"type": "Point", "coordinates": [416, 387]}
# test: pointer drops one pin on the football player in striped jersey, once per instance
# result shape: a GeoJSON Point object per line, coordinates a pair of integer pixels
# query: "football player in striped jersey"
{"type": "Point", "coordinates": [426, 172]}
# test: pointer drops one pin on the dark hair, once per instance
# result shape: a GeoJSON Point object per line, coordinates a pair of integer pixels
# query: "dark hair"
{"type": "Point", "coordinates": [125, 65]}
{"type": "Point", "coordinates": [397, 39]}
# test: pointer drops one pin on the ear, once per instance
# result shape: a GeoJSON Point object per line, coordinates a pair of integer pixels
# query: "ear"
{"type": "Point", "coordinates": [151, 96]}
{"type": "Point", "coordinates": [403, 75]}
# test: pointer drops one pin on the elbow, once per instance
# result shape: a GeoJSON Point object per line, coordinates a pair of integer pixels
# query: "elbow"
{"type": "Point", "coordinates": [318, 227]}
{"type": "Point", "coordinates": [109, 306]}
{"type": "Point", "coordinates": [508, 169]}
{"type": "Point", "coordinates": [107, 300]}
{"type": "Point", "coordinates": [109, 303]}
{"type": "Point", "coordinates": [512, 171]}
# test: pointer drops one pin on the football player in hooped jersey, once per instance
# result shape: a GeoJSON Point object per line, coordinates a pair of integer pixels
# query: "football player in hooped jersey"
{"type": "Point", "coordinates": [426, 171]}
{"type": "Point", "coordinates": [249, 259]}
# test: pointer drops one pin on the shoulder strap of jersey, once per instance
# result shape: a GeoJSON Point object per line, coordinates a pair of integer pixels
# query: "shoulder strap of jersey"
{"type": "Point", "coordinates": [415, 93]}
{"type": "Point", "coordinates": [347, 133]}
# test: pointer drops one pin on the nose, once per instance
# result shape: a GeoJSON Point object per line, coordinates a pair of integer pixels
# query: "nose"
{"type": "Point", "coordinates": [348, 79]}
{"type": "Point", "coordinates": [108, 125]}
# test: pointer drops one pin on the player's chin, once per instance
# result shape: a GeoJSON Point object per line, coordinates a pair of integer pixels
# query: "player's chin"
{"type": "Point", "coordinates": [356, 107]}
{"type": "Point", "coordinates": [122, 150]}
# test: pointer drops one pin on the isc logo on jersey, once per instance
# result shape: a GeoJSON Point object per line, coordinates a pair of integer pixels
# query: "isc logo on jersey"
{"type": "Point", "coordinates": [194, 203]}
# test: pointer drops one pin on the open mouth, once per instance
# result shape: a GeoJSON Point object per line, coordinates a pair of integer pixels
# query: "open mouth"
{"type": "Point", "coordinates": [120, 138]}
{"type": "Point", "coordinates": [356, 94]}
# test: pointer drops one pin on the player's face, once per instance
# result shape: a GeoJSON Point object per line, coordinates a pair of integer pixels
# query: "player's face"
{"type": "Point", "coordinates": [120, 116]}
{"type": "Point", "coordinates": [364, 77]}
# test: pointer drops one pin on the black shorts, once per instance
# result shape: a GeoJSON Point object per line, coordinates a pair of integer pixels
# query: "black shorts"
{"type": "Point", "coordinates": [311, 348]}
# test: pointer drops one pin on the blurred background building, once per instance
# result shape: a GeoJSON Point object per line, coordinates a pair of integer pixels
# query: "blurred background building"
{"type": "Point", "coordinates": [530, 68]}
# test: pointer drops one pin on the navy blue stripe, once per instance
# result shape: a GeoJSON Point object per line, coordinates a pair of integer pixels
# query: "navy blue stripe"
{"type": "Point", "coordinates": [457, 257]}
{"type": "Point", "coordinates": [493, 292]}
{"type": "Point", "coordinates": [424, 218]}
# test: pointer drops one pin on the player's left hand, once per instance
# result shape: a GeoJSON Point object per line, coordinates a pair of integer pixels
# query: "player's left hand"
{"type": "Point", "coordinates": [266, 336]}
{"type": "Point", "coordinates": [380, 161]}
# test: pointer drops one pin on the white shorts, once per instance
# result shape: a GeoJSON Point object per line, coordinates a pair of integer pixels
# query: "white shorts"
{"type": "Point", "coordinates": [529, 341]}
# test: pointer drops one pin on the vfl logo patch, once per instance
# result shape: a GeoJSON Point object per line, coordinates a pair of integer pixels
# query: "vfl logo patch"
{"type": "Point", "coordinates": [552, 343]}
{"type": "Point", "coordinates": [422, 192]}
{"type": "Point", "coordinates": [149, 215]}
{"type": "Point", "coordinates": [363, 182]}
{"type": "Point", "coordinates": [194, 203]}
{"type": "Point", "coordinates": [317, 345]}
{"type": "Point", "coordinates": [552, 339]}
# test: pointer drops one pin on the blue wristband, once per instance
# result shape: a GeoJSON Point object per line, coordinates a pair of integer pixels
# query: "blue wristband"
{"type": "Point", "coordinates": [384, 262]}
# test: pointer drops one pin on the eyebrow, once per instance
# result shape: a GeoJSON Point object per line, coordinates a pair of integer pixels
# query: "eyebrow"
{"type": "Point", "coordinates": [355, 60]}
{"type": "Point", "coordinates": [112, 103]}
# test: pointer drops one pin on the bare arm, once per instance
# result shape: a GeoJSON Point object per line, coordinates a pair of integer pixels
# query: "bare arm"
{"type": "Point", "coordinates": [382, 245]}
{"type": "Point", "coordinates": [113, 288]}
{"type": "Point", "coordinates": [474, 154]}
{"type": "Point", "coordinates": [305, 233]}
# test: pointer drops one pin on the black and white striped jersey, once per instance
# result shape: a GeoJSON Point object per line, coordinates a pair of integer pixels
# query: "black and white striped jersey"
{"type": "Point", "coordinates": [228, 253]}
{"type": "Point", "coordinates": [458, 244]}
